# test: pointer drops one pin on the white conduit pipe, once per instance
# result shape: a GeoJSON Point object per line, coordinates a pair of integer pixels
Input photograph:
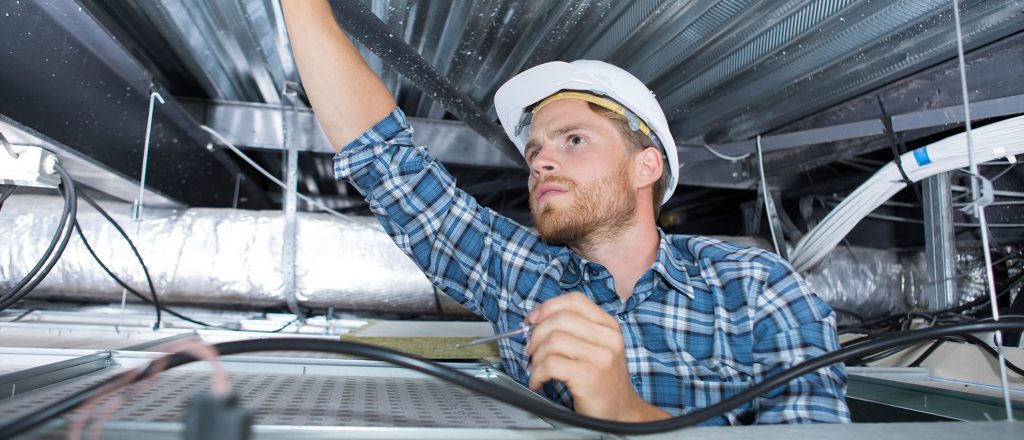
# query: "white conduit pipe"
{"type": "Point", "coordinates": [994, 141]}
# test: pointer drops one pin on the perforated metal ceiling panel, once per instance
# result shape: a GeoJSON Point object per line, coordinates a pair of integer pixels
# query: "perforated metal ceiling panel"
{"type": "Point", "coordinates": [308, 400]}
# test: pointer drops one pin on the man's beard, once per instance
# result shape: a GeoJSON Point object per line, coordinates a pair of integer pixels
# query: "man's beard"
{"type": "Point", "coordinates": [599, 211]}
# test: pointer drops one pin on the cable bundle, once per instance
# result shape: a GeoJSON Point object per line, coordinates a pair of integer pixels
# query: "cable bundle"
{"type": "Point", "coordinates": [991, 142]}
{"type": "Point", "coordinates": [57, 245]}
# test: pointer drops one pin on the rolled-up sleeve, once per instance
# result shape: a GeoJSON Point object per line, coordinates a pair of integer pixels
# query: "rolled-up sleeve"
{"type": "Point", "coordinates": [463, 248]}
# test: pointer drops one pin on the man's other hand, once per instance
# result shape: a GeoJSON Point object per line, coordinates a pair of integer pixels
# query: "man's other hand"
{"type": "Point", "coordinates": [576, 342]}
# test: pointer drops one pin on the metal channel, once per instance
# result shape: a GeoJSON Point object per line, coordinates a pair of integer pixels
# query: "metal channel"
{"type": "Point", "coordinates": [148, 345]}
{"type": "Point", "coordinates": [289, 251]}
{"type": "Point", "coordinates": [955, 114]}
{"type": "Point", "coordinates": [940, 242]}
{"type": "Point", "coordinates": [909, 121]}
{"type": "Point", "coordinates": [35, 378]}
{"type": "Point", "coordinates": [260, 126]}
{"type": "Point", "coordinates": [922, 399]}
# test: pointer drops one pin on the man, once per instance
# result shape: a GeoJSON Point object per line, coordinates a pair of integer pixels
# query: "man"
{"type": "Point", "coordinates": [629, 324]}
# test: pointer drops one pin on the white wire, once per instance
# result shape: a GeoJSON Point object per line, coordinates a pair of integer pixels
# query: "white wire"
{"type": "Point", "coordinates": [725, 157]}
{"type": "Point", "coordinates": [153, 97]}
{"type": "Point", "coordinates": [267, 174]}
{"type": "Point", "coordinates": [979, 211]}
{"type": "Point", "coordinates": [945, 155]}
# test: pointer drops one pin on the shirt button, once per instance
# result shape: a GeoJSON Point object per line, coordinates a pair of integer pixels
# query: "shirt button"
{"type": "Point", "coordinates": [637, 380]}
{"type": "Point", "coordinates": [593, 272]}
{"type": "Point", "coordinates": [623, 317]}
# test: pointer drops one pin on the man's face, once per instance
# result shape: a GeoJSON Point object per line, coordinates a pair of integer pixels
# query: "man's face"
{"type": "Point", "coordinates": [581, 187]}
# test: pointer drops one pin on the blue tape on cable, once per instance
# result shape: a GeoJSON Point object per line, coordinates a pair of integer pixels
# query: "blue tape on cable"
{"type": "Point", "coordinates": [921, 156]}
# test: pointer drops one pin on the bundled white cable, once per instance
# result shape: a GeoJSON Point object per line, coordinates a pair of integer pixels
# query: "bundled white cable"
{"type": "Point", "coordinates": [994, 141]}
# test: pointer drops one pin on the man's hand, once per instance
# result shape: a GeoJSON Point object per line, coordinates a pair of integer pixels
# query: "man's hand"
{"type": "Point", "coordinates": [576, 342]}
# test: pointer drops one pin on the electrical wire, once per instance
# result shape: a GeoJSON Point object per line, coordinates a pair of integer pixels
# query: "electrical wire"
{"type": "Point", "coordinates": [267, 174]}
{"type": "Point", "coordinates": [899, 321]}
{"type": "Point", "coordinates": [992, 352]}
{"type": "Point", "coordinates": [948, 154]}
{"type": "Point", "coordinates": [149, 280]}
{"type": "Point", "coordinates": [525, 402]}
{"type": "Point", "coordinates": [725, 157]}
{"type": "Point", "coordinates": [56, 247]}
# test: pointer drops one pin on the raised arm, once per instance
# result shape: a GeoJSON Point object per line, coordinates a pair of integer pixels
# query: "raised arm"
{"type": "Point", "coordinates": [347, 97]}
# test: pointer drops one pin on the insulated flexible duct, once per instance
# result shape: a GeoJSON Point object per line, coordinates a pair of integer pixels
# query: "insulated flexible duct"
{"type": "Point", "coordinates": [991, 142]}
{"type": "Point", "coordinates": [217, 257]}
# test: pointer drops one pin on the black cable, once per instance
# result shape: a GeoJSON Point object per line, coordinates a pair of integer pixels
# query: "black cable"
{"type": "Point", "coordinates": [135, 251]}
{"type": "Point", "coordinates": [993, 352]}
{"type": "Point", "coordinates": [971, 339]}
{"type": "Point", "coordinates": [896, 320]}
{"type": "Point", "coordinates": [142, 297]}
{"type": "Point", "coordinates": [155, 300]}
{"type": "Point", "coordinates": [528, 403]}
{"type": "Point", "coordinates": [855, 315]}
{"type": "Point", "coordinates": [931, 349]}
{"type": "Point", "coordinates": [28, 312]}
{"type": "Point", "coordinates": [149, 280]}
{"type": "Point", "coordinates": [54, 250]}
{"type": "Point", "coordinates": [145, 270]}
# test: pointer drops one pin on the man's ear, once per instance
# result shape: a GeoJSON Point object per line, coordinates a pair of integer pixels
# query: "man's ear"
{"type": "Point", "coordinates": [649, 167]}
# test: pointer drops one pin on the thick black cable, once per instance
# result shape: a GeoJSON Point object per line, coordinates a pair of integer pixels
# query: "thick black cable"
{"type": "Point", "coordinates": [55, 249]}
{"type": "Point", "coordinates": [528, 403]}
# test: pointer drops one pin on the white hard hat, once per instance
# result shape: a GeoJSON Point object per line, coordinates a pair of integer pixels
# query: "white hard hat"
{"type": "Point", "coordinates": [597, 78]}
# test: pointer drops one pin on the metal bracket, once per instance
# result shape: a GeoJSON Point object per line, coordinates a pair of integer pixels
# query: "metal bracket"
{"type": "Point", "coordinates": [986, 197]}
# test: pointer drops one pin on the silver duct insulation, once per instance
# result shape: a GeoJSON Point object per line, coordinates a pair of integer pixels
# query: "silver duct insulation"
{"type": "Point", "coordinates": [878, 282]}
{"type": "Point", "coordinates": [229, 257]}
{"type": "Point", "coordinates": [868, 282]}
{"type": "Point", "coordinates": [217, 257]}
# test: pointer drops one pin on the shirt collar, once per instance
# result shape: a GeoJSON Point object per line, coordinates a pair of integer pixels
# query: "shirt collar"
{"type": "Point", "coordinates": [674, 265]}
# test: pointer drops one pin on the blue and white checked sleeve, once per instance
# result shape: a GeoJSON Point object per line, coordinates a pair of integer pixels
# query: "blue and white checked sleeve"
{"type": "Point", "coordinates": [792, 325]}
{"type": "Point", "coordinates": [468, 251]}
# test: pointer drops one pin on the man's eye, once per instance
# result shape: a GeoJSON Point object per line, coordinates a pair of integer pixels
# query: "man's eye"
{"type": "Point", "coordinates": [576, 140]}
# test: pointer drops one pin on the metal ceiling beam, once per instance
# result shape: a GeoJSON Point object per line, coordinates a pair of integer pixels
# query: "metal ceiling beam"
{"type": "Point", "coordinates": [259, 126]}
{"type": "Point", "coordinates": [1007, 106]}
{"type": "Point", "coordinates": [64, 76]}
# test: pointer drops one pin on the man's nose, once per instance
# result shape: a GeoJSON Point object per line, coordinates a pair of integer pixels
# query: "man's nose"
{"type": "Point", "coordinates": [543, 163]}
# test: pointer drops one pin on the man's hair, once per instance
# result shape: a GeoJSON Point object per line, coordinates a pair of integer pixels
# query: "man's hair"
{"type": "Point", "coordinates": [636, 142]}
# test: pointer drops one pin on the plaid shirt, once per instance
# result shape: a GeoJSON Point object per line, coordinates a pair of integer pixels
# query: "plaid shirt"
{"type": "Point", "coordinates": [708, 320]}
